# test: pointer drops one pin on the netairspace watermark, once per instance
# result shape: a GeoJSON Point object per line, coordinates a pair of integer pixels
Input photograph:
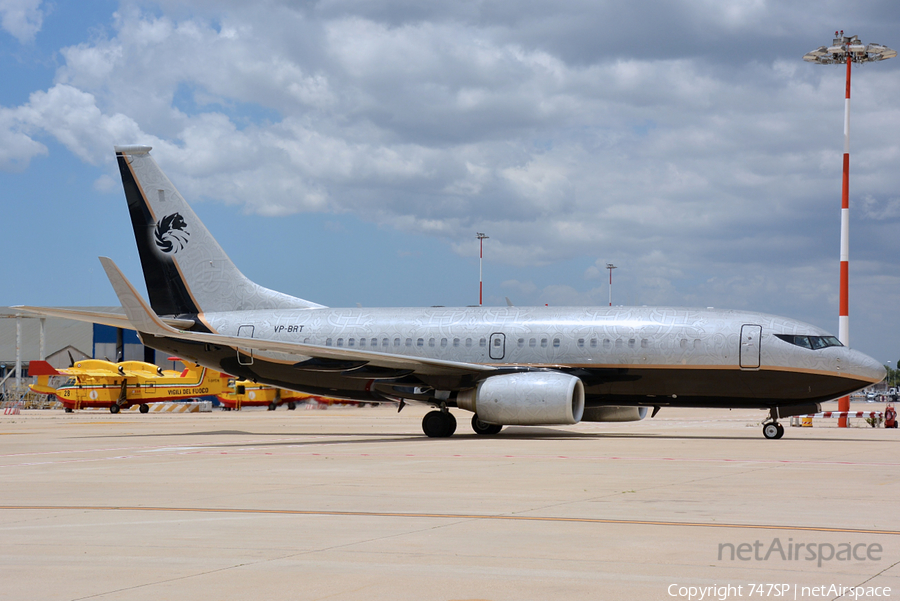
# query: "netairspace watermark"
{"type": "Point", "coordinates": [796, 552]}
{"type": "Point", "coordinates": [778, 591]}
{"type": "Point", "coordinates": [793, 553]}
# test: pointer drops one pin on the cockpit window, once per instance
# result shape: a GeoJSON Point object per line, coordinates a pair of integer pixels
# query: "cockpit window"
{"type": "Point", "coordinates": [810, 342]}
{"type": "Point", "coordinates": [802, 341]}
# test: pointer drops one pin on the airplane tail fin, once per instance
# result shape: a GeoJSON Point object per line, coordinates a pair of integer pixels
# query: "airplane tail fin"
{"type": "Point", "coordinates": [43, 371]}
{"type": "Point", "coordinates": [186, 270]}
{"type": "Point", "coordinates": [193, 373]}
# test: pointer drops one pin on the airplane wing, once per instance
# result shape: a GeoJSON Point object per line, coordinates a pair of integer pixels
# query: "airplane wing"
{"type": "Point", "coordinates": [115, 370]}
{"type": "Point", "coordinates": [42, 368]}
{"type": "Point", "coordinates": [102, 373]}
{"type": "Point", "coordinates": [143, 319]}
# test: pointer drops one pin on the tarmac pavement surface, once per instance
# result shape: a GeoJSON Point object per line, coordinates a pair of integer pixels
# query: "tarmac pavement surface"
{"type": "Point", "coordinates": [357, 504]}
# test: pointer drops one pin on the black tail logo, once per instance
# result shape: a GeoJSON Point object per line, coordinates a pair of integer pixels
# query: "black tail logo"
{"type": "Point", "coordinates": [171, 234]}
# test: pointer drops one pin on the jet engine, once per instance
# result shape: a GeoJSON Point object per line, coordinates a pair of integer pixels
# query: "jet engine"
{"type": "Point", "coordinates": [614, 414]}
{"type": "Point", "coordinates": [526, 399]}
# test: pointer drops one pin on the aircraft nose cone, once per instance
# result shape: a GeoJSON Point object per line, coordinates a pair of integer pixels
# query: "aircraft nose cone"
{"type": "Point", "coordinates": [866, 367]}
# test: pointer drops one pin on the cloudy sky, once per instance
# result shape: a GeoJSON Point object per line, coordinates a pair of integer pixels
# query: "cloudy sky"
{"type": "Point", "coordinates": [348, 151]}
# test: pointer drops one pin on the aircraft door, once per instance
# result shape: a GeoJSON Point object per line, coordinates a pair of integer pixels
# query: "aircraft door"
{"type": "Point", "coordinates": [245, 355]}
{"type": "Point", "coordinates": [750, 335]}
{"type": "Point", "coordinates": [497, 346]}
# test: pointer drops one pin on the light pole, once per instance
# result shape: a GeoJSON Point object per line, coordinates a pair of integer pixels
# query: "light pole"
{"type": "Point", "coordinates": [610, 266]}
{"type": "Point", "coordinates": [846, 50]}
{"type": "Point", "coordinates": [481, 237]}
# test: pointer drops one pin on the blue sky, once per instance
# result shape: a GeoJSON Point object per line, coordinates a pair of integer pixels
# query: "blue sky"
{"type": "Point", "coordinates": [347, 152]}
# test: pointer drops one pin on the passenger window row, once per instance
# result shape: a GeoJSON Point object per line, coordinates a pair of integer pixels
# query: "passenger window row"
{"type": "Point", "coordinates": [544, 342]}
{"type": "Point", "coordinates": [533, 342]}
{"type": "Point", "coordinates": [619, 342]}
{"type": "Point", "coordinates": [386, 342]}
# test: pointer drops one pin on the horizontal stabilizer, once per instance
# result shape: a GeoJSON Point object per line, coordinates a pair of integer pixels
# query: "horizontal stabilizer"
{"type": "Point", "coordinates": [41, 368]}
{"type": "Point", "coordinates": [114, 320]}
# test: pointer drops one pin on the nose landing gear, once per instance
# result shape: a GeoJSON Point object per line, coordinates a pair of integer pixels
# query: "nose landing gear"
{"type": "Point", "coordinates": [773, 430]}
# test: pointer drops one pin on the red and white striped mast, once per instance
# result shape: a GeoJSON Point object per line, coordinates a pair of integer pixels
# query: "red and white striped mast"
{"type": "Point", "coordinates": [846, 50]}
{"type": "Point", "coordinates": [481, 237]}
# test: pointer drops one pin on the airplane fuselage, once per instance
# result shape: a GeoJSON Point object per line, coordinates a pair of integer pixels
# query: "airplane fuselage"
{"type": "Point", "coordinates": [651, 356]}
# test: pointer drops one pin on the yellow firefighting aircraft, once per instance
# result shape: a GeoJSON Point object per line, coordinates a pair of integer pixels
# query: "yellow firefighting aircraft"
{"type": "Point", "coordinates": [245, 393]}
{"type": "Point", "coordinates": [98, 383]}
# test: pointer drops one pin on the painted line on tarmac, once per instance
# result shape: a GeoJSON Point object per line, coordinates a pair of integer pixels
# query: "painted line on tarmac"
{"type": "Point", "coordinates": [250, 448]}
{"type": "Point", "coordinates": [604, 458]}
{"type": "Point", "coordinates": [446, 516]}
{"type": "Point", "coordinates": [211, 445]}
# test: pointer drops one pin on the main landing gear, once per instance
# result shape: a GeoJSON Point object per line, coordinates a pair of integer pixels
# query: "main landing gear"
{"type": "Point", "coordinates": [439, 424]}
{"type": "Point", "coordinates": [291, 405]}
{"type": "Point", "coordinates": [485, 428]}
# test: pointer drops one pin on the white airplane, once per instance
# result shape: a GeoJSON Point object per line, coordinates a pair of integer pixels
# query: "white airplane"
{"type": "Point", "coordinates": [506, 365]}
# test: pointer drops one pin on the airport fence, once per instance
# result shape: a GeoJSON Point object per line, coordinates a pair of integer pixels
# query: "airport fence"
{"type": "Point", "coordinates": [22, 397]}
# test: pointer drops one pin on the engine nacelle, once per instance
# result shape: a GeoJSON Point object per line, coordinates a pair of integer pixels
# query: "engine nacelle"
{"type": "Point", "coordinates": [614, 414]}
{"type": "Point", "coordinates": [526, 399]}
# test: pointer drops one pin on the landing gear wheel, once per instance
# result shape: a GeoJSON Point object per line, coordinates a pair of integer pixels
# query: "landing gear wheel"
{"type": "Point", "coordinates": [272, 406]}
{"type": "Point", "coordinates": [291, 405]}
{"type": "Point", "coordinates": [449, 424]}
{"type": "Point", "coordinates": [485, 428]}
{"type": "Point", "coordinates": [773, 430]}
{"type": "Point", "coordinates": [433, 424]}
{"type": "Point", "coordinates": [69, 410]}
{"type": "Point", "coordinates": [145, 408]}
{"type": "Point", "coordinates": [438, 424]}
{"type": "Point", "coordinates": [113, 408]}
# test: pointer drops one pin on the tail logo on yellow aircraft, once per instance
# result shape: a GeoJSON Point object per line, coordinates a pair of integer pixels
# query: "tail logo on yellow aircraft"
{"type": "Point", "coordinates": [171, 233]}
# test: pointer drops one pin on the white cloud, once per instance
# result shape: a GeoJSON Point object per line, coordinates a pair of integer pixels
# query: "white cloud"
{"type": "Point", "coordinates": [73, 118]}
{"type": "Point", "coordinates": [683, 140]}
{"type": "Point", "coordinates": [16, 147]}
{"type": "Point", "coordinates": [21, 18]}
{"type": "Point", "coordinates": [517, 287]}
{"type": "Point", "coordinates": [105, 183]}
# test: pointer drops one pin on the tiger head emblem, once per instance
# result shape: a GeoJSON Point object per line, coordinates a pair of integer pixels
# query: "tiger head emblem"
{"type": "Point", "coordinates": [171, 234]}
